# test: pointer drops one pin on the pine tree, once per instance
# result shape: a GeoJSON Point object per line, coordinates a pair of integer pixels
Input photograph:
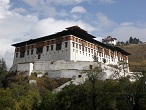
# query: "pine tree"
{"type": "Point", "coordinates": [134, 40]}
{"type": "Point", "coordinates": [130, 40]}
{"type": "Point", "coordinates": [3, 71]}
{"type": "Point", "coordinates": [3, 65]}
{"type": "Point", "coordinates": [127, 43]}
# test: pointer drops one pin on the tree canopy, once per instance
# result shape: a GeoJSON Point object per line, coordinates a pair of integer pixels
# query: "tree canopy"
{"type": "Point", "coordinates": [131, 40]}
{"type": "Point", "coordinates": [95, 94]}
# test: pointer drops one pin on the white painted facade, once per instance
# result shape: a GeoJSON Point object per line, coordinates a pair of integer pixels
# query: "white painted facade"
{"type": "Point", "coordinates": [114, 42]}
{"type": "Point", "coordinates": [73, 52]}
{"type": "Point", "coordinates": [110, 41]}
{"type": "Point", "coordinates": [62, 65]}
{"type": "Point", "coordinates": [50, 55]}
{"type": "Point", "coordinates": [26, 67]}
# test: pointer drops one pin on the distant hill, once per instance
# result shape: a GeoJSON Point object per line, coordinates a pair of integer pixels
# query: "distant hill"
{"type": "Point", "coordinates": [137, 59]}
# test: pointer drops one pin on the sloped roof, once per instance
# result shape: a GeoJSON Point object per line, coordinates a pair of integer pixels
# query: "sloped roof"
{"type": "Point", "coordinates": [76, 31]}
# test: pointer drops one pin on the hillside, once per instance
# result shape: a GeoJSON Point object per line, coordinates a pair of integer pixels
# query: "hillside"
{"type": "Point", "coordinates": [137, 59]}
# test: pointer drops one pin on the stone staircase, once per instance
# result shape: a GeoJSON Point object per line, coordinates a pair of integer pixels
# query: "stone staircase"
{"type": "Point", "coordinates": [75, 81]}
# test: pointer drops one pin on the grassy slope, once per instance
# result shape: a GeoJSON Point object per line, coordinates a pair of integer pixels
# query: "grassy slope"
{"type": "Point", "coordinates": [138, 56]}
{"type": "Point", "coordinates": [43, 83]}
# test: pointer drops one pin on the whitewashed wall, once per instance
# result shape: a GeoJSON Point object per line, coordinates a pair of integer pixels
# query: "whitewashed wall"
{"type": "Point", "coordinates": [63, 73]}
{"type": "Point", "coordinates": [27, 67]}
{"type": "Point", "coordinates": [62, 65]}
{"type": "Point", "coordinates": [63, 54]}
{"type": "Point", "coordinates": [62, 68]}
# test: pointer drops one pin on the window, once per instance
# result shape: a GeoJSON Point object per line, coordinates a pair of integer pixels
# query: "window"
{"type": "Point", "coordinates": [39, 56]}
{"type": "Point", "coordinates": [66, 38]}
{"type": "Point", "coordinates": [17, 49]}
{"type": "Point", "coordinates": [52, 47]}
{"type": "Point", "coordinates": [47, 48]}
{"type": "Point", "coordinates": [80, 46]}
{"type": "Point", "coordinates": [66, 43]}
{"type": "Point", "coordinates": [90, 66]}
{"type": "Point", "coordinates": [58, 46]}
{"type": "Point", "coordinates": [79, 76]}
{"type": "Point", "coordinates": [73, 44]}
{"type": "Point", "coordinates": [22, 52]}
{"type": "Point", "coordinates": [92, 51]}
{"type": "Point", "coordinates": [86, 49]}
{"type": "Point", "coordinates": [31, 51]}
{"type": "Point", "coordinates": [27, 52]}
{"type": "Point", "coordinates": [89, 50]}
{"type": "Point", "coordinates": [16, 55]}
{"type": "Point", "coordinates": [39, 50]}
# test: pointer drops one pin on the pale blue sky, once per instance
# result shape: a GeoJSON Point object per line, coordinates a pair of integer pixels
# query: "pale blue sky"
{"type": "Point", "coordinates": [26, 19]}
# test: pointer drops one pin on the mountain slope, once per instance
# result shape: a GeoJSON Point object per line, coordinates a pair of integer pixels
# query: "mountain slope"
{"type": "Point", "coordinates": [137, 59]}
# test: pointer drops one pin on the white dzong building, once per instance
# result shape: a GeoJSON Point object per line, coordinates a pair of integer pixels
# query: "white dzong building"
{"type": "Point", "coordinates": [109, 40]}
{"type": "Point", "coordinates": [64, 54]}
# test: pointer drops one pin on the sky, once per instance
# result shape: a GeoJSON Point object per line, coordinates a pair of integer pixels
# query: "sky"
{"type": "Point", "coordinates": [21, 20]}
